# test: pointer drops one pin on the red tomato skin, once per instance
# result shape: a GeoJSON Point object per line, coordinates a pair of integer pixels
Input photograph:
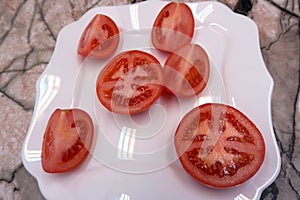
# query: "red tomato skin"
{"type": "Point", "coordinates": [243, 173]}
{"type": "Point", "coordinates": [154, 85]}
{"type": "Point", "coordinates": [58, 136]}
{"type": "Point", "coordinates": [173, 27]}
{"type": "Point", "coordinates": [186, 71]}
{"type": "Point", "coordinates": [100, 38]}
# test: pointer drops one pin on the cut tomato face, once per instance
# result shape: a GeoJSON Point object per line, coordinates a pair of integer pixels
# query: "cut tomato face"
{"type": "Point", "coordinates": [219, 146]}
{"type": "Point", "coordinates": [130, 83]}
{"type": "Point", "coordinates": [173, 27]}
{"type": "Point", "coordinates": [100, 38]}
{"type": "Point", "coordinates": [187, 71]}
{"type": "Point", "coordinates": [67, 140]}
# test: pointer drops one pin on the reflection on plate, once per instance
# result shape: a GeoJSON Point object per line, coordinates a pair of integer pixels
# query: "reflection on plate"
{"type": "Point", "coordinates": [133, 156]}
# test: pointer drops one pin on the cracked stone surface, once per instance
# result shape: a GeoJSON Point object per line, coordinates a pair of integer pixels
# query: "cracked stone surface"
{"type": "Point", "coordinates": [28, 32]}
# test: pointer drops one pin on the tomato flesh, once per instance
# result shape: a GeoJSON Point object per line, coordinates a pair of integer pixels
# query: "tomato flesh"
{"type": "Point", "coordinates": [100, 38]}
{"type": "Point", "coordinates": [219, 146]}
{"type": "Point", "coordinates": [130, 83]}
{"type": "Point", "coordinates": [173, 27]}
{"type": "Point", "coordinates": [187, 71]}
{"type": "Point", "coordinates": [67, 140]}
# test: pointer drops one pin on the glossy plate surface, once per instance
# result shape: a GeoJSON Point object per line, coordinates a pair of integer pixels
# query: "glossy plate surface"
{"type": "Point", "coordinates": [133, 157]}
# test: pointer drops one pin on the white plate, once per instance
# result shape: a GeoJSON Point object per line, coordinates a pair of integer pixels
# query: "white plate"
{"type": "Point", "coordinates": [133, 157]}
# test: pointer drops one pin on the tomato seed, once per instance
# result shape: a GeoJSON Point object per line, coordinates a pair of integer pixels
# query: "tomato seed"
{"type": "Point", "coordinates": [231, 151]}
{"type": "Point", "coordinates": [73, 151]}
{"type": "Point", "coordinates": [218, 168]}
{"type": "Point", "coordinates": [139, 61]}
{"type": "Point", "coordinates": [230, 170]}
{"type": "Point", "coordinates": [73, 125]}
{"type": "Point", "coordinates": [140, 98]}
{"type": "Point", "coordinates": [94, 43]}
{"type": "Point", "coordinates": [108, 30]}
{"type": "Point", "coordinates": [193, 77]}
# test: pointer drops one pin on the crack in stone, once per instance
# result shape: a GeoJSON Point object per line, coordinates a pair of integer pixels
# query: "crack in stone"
{"type": "Point", "coordinates": [31, 24]}
{"type": "Point", "coordinates": [11, 23]}
{"type": "Point", "coordinates": [279, 36]}
{"type": "Point", "coordinates": [290, 151]}
{"type": "Point", "coordinates": [11, 63]}
{"type": "Point", "coordinates": [294, 168]}
{"type": "Point", "coordinates": [286, 24]}
{"type": "Point", "coordinates": [278, 141]}
{"type": "Point", "coordinates": [271, 190]}
{"type": "Point", "coordinates": [41, 9]}
{"type": "Point", "coordinates": [20, 71]}
{"type": "Point", "coordinates": [11, 179]}
{"type": "Point", "coordinates": [293, 139]}
{"type": "Point", "coordinates": [19, 103]}
{"type": "Point", "coordinates": [26, 58]}
{"type": "Point", "coordinates": [24, 68]}
{"type": "Point", "coordinates": [284, 9]}
{"type": "Point", "coordinates": [35, 65]}
{"type": "Point", "coordinates": [11, 79]}
{"type": "Point", "coordinates": [293, 188]}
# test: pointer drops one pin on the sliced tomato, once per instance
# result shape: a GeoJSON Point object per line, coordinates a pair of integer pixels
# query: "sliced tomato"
{"type": "Point", "coordinates": [100, 38]}
{"type": "Point", "coordinates": [173, 27]}
{"type": "Point", "coordinates": [130, 83]}
{"type": "Point", "coordinates": [67, 140]}
{"type": "Point", "coordinates": [187, 70]}
{"type": "Point", "coordinates": [219, 146]}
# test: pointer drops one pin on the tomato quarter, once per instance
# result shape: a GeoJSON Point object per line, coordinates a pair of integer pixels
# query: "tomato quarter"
{"type": "Point", "coordinates": [187, 70]}
{"type": "Point", "coordinates": [173, 27]}
{"type": "Point", "coordinates": [100, 38]}
{"type": "Point", "coordinates": [67, 140]}
{"type": "Point", "coordinates": [130, 83]}
{"type": "Point", "coordinates": [219, 146]}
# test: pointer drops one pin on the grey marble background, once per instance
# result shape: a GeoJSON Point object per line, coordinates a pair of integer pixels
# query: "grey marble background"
{"type": "Point", "coordinates": [28, 32]}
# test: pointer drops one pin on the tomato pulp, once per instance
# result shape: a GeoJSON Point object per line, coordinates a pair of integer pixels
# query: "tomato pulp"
{"type": "Point", "coordinates": [100, 38]}
{"type": "Point", "coordinates": [187, 70]}
{"type": "Point", "coordinates": [173, 27]}
{"type": "Point", "coordinates": [130, 83]}
{"type": "Point", "coordinates": [67, 140]}
{"type": "Point", "coordinates": [219, 146]}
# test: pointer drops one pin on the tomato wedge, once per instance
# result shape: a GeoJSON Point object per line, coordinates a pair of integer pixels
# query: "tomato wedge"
{"type": "Point", "coordinates": [67, 140]}
{"type": "Point", "coordinates": [100, 38]}
{"type": "Point", "coordinates": [173, 27]}
{"type": "Point", "coordinates": [130, 83]}
{"type": "Point", "coordinates": [219, 146]}
{"type": "Point", "coordinates": [187, 71]}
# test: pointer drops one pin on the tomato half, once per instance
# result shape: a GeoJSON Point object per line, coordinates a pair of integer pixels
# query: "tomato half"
{"type": "Point", "coordinates": [187, 70]}
{"type": "Point", "coordinates": [100, 38]}
{"type": "Point", "coordinates": [130, 83]}
{"type": "Point", "coordinates": [219, 146]}
{"type": "Point", "coordinates": [173, 27]}
{"type": "Point", "coordinates": [67, 140]}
